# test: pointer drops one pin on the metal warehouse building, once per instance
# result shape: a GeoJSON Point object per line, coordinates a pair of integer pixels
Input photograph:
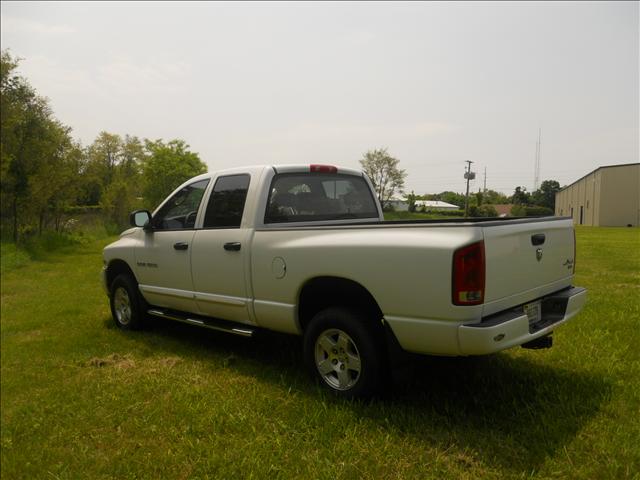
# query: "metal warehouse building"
{"type": "Point", "coordinates": [607, 197]}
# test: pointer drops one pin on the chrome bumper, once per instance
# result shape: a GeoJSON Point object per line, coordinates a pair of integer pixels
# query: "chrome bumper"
{"type": "Point", "coordinates": [512, 328]}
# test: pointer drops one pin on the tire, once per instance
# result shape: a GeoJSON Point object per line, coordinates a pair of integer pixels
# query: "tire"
{"type": "Point", "coordinates": [127, 305]}
{"type": "Point", "coordinates": [345, 353]}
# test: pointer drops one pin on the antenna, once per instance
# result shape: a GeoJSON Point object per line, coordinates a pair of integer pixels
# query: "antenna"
{"type": "Point", "coordinates": [536, 172]}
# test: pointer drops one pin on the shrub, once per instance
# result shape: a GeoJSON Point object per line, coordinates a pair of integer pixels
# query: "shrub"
{"type": "Point", "coordinates": [449, 213]}
{"type": "Point", "coordinates": [530, 211]}
{"type": "Point", "coordinates": [482, 211]}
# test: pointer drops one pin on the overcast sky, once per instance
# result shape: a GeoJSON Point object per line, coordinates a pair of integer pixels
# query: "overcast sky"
{"type": "Point", "coordinates": [436, 83]}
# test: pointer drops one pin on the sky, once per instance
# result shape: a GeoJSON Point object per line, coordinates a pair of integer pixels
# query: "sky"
{"type": "Point", "coordinates": [273, 83]}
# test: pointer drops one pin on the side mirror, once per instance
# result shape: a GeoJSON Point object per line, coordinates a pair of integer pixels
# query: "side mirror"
{"type": "Point", "coordinates": [140, 218]}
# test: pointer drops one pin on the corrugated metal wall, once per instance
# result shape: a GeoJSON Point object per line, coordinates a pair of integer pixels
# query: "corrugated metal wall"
{"type": "Point", "coordinates": [609, 196]}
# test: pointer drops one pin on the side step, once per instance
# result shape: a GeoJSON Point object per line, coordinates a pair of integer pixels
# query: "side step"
{"type": "Point", "coordinates": [212, 323]}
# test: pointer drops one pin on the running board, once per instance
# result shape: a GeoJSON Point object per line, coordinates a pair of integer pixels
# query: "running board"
{"type": "Point", "coordinates": [212, 323]}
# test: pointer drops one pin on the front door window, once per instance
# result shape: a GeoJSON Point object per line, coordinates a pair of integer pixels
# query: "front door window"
{"type": "Point", "coordinates": [181, 210]}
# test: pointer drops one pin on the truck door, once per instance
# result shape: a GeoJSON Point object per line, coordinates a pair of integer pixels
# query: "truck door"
{"type": "Point", "coordinates": [163, 264]}
{"type": "Point", "coordinates": [220, 255]}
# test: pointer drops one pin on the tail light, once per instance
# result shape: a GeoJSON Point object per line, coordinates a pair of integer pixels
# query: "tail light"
{"type": "Point", "coordinates": [469, 275]}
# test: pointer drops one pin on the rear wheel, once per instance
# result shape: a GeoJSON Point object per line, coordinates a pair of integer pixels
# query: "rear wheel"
{"type": "Point", "coordinates": [345, 353]}
{"type": "Point", "coordinates": [127, 305]}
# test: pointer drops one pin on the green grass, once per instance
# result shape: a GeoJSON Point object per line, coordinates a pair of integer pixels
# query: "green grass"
{"type": "Point", "coordinates": [81, 399]}
{"type": "Point", "coordinates": [12, 257]}
{"type": "Point", "coordinates": [87, 230]}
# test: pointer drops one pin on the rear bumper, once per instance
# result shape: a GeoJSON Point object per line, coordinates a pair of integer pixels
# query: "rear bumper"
{"type": "Point", "coordinates": [510, 328]}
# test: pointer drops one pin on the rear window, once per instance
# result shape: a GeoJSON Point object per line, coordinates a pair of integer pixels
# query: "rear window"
{"type": "Point", "coordinates": [226, 203]}
{"type": "Point", "coordinates": [304, 197]}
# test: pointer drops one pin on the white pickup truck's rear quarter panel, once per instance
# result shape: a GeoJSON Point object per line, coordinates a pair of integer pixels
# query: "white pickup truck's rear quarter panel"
{"type": "Point", "coordinates": [371, 256]}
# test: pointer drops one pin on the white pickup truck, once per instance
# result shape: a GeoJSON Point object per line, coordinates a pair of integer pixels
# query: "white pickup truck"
{"type": "Point", "coordinates": [304, 249]}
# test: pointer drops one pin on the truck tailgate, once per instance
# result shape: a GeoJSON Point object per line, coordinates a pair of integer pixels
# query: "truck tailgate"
{"type": "Point", "coordinates": [525, 261]}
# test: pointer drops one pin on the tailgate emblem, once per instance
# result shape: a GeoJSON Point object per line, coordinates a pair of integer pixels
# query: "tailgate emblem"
{"type": "Point", "coordinates": [538, 254]}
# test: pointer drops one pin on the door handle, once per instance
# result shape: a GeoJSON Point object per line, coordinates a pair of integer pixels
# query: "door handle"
{"type": "Point", "coordinates": [180, 246]}
{"type": "Point", "coordinates": [232, 246]}
{"type": "Point", "coordinates": [537, 239]}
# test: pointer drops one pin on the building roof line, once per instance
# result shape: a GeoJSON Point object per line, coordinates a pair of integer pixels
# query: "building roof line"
{"type": "Point", "coordinates": [594, 171]}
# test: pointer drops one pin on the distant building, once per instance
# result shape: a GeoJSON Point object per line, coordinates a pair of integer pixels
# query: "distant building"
{"type": "Point", "coordinates": [607, 197]}
{"type": "Point", "coordinates": [503, 209]}
{"type": "Point", "coordinates": [435, 205]}
{"type": "Point", "coordinates": [398, 204]}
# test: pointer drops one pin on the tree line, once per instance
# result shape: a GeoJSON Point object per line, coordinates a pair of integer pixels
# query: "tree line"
{"type": "Point", "coordinates": [388, 180]}
{"type": "Point", "coordinates": [46, 175]}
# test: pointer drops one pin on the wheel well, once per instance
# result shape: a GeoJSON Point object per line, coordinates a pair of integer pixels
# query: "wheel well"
{"type": "Point", "coordinates": [115, 268]}
{"type": "Point", "coordinates": [324, 292]}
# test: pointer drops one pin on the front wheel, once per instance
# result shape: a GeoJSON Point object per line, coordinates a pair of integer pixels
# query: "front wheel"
{"type": "Point", "coordinates": [345, 353]}
{"type": "Point", "coordinates": [126, 303]}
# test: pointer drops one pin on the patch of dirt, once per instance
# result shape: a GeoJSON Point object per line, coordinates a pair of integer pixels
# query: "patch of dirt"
{"type": "Point", "coordinates": [115, 360]}
{"type": "Point", "coordinates": [127, 361]}
{"type": "Point", "coordinates": [30, 336]}
{"type": "Point", "coordinates": [168, 362]}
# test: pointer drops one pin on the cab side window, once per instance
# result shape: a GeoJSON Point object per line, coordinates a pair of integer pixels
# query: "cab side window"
{"type": "Point", "coordinates": [181, 210]}
{"type": "Point", "coordinates": [226, 202]}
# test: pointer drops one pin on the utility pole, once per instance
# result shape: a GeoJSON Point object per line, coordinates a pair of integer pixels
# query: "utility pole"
{"type": "Point", "coordinates": [485, 179]}
{"type": "Point", "coordinates": [469, 175]}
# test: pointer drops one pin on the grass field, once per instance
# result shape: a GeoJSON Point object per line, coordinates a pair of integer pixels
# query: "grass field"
{"type": "Point", "coordinates": [81, 399]}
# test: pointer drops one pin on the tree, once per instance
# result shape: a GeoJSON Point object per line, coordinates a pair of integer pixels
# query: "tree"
{"type": "Point", "coordinates": [521, 196]}
{"type": "Point", "coordinates": [382, 169]}
{"type": "Point", "coordinates": [35, 149]}
{"type": "Point", "coordinates": [112, 175]}
{"type": "Point", "coordinates": [118, 200]}
{"type": "Point", "coordinates": [43, 172]}
{"type": "Point", "coordinates": [545, 196]}
{"type": "Point", "coordinates": [9, 108]}
{"type": "Point", "coordinates": [53, 187]}
{"type": "Point", "coordinates": [165, 167]}
{"type": "Point", "coordinates": [453, 198]}
{"type": "Point", "coordinates": [411, 201]}
{"type": "Point", "coordinates": [530, 211]}
{"type": "Point", "coordinates": [103, 157]}
{"type": "Point", "coordinates": [132, 156]}
{"type": "Point", "coordinates": [494, 198]}
{"type": "Point", "coordinates": [482, 211]}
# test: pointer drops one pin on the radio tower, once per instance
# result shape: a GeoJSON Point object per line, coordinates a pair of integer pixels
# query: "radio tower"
{"type": "Point", "coordinates": [536, 173]}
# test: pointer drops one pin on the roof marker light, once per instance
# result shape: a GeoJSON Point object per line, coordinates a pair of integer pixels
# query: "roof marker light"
{"type": "Point", "coordinates": [323, 169]}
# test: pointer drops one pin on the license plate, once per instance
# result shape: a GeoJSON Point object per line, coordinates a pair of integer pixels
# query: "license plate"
{"type": "Point", "coordinates": [533, 311]}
